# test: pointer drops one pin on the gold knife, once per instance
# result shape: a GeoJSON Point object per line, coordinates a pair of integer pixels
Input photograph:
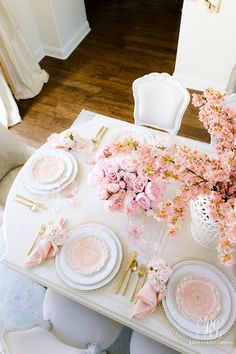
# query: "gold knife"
{"type": "Point", "coordinates": [39, 234]}
{"type": "Point", "coordinates": [100, 136]}
{"type": "Point", "coordinates": [130, 260]}
{"type": "Point", "coordinates": [38, 204]}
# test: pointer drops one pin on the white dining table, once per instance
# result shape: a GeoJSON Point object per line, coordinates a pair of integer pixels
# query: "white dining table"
{"type": "Point", "coordinates": [21, 226]}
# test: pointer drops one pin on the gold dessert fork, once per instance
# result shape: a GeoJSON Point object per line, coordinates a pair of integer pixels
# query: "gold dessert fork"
{"type": "Point", "coordinates": [133, 267]}
{"type": "Point", "coordinates": [141, 273]}
{"type": "Point", "coordinates": [39, 234]}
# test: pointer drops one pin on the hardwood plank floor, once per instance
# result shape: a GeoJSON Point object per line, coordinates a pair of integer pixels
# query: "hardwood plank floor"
{"type": "Point", "coordinates": [129, 38]}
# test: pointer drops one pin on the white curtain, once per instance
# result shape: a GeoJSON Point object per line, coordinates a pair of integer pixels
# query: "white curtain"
{"type": "Point", "coordinates": [9, 113]}
{"type": "Point", "coordinates": [21, 70]}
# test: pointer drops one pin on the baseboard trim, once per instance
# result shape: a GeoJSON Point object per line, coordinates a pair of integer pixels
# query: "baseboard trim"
{"type": "Point", "coordinates": [195, 83]}
{"type": "Point", "coordinates": [67, 49]}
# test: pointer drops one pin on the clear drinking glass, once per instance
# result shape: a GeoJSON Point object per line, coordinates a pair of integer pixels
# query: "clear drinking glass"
{"type": "Point", "coordinates": [135, 227]}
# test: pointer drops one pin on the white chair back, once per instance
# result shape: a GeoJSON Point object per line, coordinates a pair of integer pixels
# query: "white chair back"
{"type": "Point", "coordinates": [160, 102]}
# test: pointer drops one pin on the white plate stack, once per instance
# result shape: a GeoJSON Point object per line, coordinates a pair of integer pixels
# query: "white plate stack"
{"type": "Point", "coordinates": [211, 330]}
{"type": "Point", "coordinates": [96, 279]}
{"type": "Point", "coordinates": [49, 171]}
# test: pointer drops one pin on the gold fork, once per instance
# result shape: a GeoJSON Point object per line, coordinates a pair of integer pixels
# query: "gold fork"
{"type": "Point", "coordinates": [141, 273]}
{"type": "Point", "coordinates": [39, 234]}
{"type": "Point", "coordinates": [142, 283]}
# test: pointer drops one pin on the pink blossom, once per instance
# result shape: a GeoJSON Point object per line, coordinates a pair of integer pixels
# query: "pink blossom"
{"type": "Point", "coordinates": [143, 200]}
{"type": "Point", "coordinates": [139, 184]}
{"type": "Point", "coordinates": [152, 190]}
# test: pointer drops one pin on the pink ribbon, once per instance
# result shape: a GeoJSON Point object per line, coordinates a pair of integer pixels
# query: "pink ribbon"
{"type": "Point", "coordinates": [148, 299]}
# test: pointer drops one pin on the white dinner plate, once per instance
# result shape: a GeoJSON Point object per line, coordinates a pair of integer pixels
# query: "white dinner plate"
{"type": "Point", "coordinates": [62, 182]}
{"type": "Point", "coordinates": [213, 329]}
{"type": "Point", "coordinates": [118, 134]}
{"type": "Point", "coordinates": [103, 282]}
{"type": "Point", "coordinates": [92, 229]}
{"type": "Point", "coordinates": [68, 168]}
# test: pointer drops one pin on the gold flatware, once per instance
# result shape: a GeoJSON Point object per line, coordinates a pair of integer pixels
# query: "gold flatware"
{"type": "Point", "coordinates": [141, 273]}
{"type": "Point", "coordinates": [133, 267]}
{"type": "Point", "coordinates": [31, 207]}
{"type": "Point", "coordinates": [98, 138]}
{"type": "Point", "coordinates": [142, 284]}
{"type": "Point", "coordinates": [35, 202]}
{"type": "Point", "coordinates": [39, 234]}
{"type": "Point", "coordinates": [130, 260]}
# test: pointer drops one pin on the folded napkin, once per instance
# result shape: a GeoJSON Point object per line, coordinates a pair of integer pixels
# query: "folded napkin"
{"type": "Point", "coordinates": [148, 299]}
{"type": "Point", "coordinates": [54, 237]}
{"type": "Point", "coordinates": [67, 140]}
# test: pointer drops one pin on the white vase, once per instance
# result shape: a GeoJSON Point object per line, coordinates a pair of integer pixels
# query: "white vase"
{"type": "Point", "coordinates": [203, 228]}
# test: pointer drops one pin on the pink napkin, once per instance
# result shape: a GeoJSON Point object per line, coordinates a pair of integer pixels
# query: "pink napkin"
{"type": "Point", "coordinates": [147, 302]}
{"type": "Point", "coordinates": [54, 139]}
{"type": "Point", "coordinates": [53, 237]}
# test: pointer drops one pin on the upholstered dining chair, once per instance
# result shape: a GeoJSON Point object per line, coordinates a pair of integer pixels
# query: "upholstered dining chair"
{"type": "Point", "coordinates": [159, 102]}
{"type": "Point", "coordinates": [13, 154]}
{"type": "Point", "coordinates": [77, 325]}
{"type": "Point", "coordinates": [141, 344]}
{"type": "Point", "coordinates": [230, 101]}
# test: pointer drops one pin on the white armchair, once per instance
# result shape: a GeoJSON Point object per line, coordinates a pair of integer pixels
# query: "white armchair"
{"type": "Point", "coordinates": [13, 154]}
{"type": "Point", "coordinates": [141, 344]}
{"type": "Point", "coordinates": [160, 102]}
{"type": "Point", "coordinates": [77, 325]}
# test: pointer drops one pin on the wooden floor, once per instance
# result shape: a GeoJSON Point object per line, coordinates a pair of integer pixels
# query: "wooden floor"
{"type": "Point", "coordinates": [129, 38]}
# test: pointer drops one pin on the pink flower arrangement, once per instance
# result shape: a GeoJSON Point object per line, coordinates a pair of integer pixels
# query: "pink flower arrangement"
{"type": "Point", "coordinates": [199, 174]}
{"type": "Point", "coordinates": [125, 177]}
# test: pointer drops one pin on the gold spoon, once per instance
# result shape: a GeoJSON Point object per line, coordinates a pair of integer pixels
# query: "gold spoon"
{"type": "Point", "coordinates": [133, 267]}
{"type": "Point", "coordinates": [31, 207]}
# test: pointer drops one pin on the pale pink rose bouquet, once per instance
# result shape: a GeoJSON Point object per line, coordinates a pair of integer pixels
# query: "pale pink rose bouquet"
{"type": "Point", "coordinates": [125, 177]}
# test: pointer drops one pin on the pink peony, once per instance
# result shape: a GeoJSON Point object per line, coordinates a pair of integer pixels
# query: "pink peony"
{"type": "Point", "coordinates": [143, 200]}
{"type": "Point", "coordinates": [103, 194]}
{"type": "Point", "coordinates": [152, 190]}
{"type": "Point", "coordinates": [96, 177]}
{"type": "Point", "coordinates": [139, 184]}
{"type": "Point", "coordinates": [129, 178]}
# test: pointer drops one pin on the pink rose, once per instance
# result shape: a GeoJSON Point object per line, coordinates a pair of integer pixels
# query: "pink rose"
{"type": "Point", "coordinates": [115, 202]}
{"type": "Point", "coordinates": [143, 200]}
{"type": "Point", "coordinates": [129, 178]}
{"type": "Point", "coordinates": [130, 204]}
{"type": "Point", "coordinates": [122, 184]}
{"type": "Point", "coordinates": [152, 190]}
{"type": "Point", "coordinates": [113, 188]}
{"type": "Point", "coordinates": [111, 174]}
{"type": "Point", "coordinates": [128, 164]}
{"type": "Point", "coordinates": [139, 184]}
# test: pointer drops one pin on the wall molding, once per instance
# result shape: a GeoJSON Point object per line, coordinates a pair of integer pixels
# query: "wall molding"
{"type": "Point", "coordinates": [64, 51]}
{"type": "Point", "coordinates": [195, 83]}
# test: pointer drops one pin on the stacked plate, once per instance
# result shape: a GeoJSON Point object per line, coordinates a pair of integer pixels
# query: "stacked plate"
{"type": "Point", "coordinates": [202, 331]}
{"type": "Point", "coordinates": [90, 258]}
{"type": "Point", "coordinates": [136, 133]}
{"type": "Point", "coordinates": [49, 171]}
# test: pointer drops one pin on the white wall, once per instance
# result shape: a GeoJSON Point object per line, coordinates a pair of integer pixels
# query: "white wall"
{"type": "Point", "coordinates": [207, 45]}
{"type": "Point", "coordinates": [51, 27]}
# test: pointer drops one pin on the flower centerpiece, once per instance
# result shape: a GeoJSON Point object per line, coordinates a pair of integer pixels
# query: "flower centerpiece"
{"type": "Point", "coordinates": [125, 177]}
{"type": "Point", "coordinates": [131, 177]}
